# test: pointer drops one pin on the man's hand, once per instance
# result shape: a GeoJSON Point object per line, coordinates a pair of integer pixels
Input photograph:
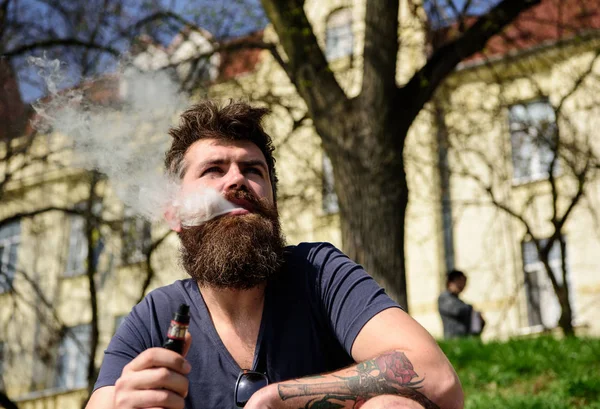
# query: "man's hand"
{"type": "Point", "coordinates": [265, 398]}
{"type": "Point", "coordinates": [155, 378]}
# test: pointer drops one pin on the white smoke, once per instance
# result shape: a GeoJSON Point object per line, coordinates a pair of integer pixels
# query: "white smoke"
{"type": "Point", "coordinates": [125, 140]}
{"type": "Point", "coordinates": [200, 206]}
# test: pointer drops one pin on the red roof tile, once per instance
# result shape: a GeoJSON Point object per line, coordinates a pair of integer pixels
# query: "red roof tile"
{"type": "Point", "coordinates": [548, 22]}
{"type": "Point", "coordinates": [12, 108]}
{"type": "Point", "coordinates": [242, 60]}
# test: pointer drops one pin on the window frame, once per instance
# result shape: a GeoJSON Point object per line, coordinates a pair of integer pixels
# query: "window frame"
{"type": "Point", "coordinates": [77, 252]}
{"type": "Point", "coordinates": [536, 318]}
{"type": "Point", "coordinates": [537, 167]}
{"type": "Point", "coordinates": [10, 241]}
{"type": "Point", "coordinates": [142, 240]}
{"type": "Point", "coordinates": [2, 364]}
{"type": "Point", "coordinates": [329, 199]}
{"type": "Point", "coordinates": [76, 362]}
{"type": "Point", "coordinates": [342, 33]}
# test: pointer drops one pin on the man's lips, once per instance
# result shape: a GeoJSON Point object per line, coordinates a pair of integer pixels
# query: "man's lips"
{"type": "Point", "coordinates": [243, 204]}
{"type": "Point", "coordinates": [238, 211]}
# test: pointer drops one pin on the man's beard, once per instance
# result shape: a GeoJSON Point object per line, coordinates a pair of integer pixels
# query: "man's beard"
{"type": "Point", "coordinates": [235, 252]}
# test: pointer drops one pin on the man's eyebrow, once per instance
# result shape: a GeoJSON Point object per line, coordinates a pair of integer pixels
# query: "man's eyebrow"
{"type": "Point", "coordinates": [245, 163]}
{"type": "Point", "coordinates": [204, 163]}
{"type": "Point", "coordinates": [255, 162]}
{"type": "Point", "coordinates": [212, 162]}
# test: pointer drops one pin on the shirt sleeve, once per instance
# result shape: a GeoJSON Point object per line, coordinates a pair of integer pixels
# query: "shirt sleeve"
{"type": "Point", "coordinates": [350, 297]}
{"type": "Point", "coordinates": [131, 338]}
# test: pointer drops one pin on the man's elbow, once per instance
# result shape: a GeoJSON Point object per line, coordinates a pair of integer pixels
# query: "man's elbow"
{"type": "Point", "coordinates": [450, 392]}
{"type": "Point", "coordinates": [102, 398]}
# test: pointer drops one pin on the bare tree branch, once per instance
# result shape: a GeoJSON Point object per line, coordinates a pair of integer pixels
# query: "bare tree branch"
{"type": "Point", "coordinates": [424, 83]}
{"type": "Point", "coordinates": [18, 216]}
{"type": "Point", "coordinates": [579, 81]}
{"type": "Point", "coordinates": [307, 67]}
{"type": "Point", "coordinates": [58, 42]}
{"type": "Point", "coordinates": [150, 273]}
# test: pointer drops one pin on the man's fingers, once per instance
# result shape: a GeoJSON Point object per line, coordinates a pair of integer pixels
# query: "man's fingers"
{"type": "Point", "coordinates": [158, 378]}
{"type": "Point", "coordinates": [159, 398]}
{"type": "Point", "coordinates": [158, 357]}
{"type": "Point", "coordinates": [188, 343]}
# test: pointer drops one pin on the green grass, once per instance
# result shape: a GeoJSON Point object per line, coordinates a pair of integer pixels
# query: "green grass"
{"type": "Point", "coordinates": [533, 373]}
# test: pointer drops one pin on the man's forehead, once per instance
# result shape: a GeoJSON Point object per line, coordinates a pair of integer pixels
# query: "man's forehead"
{"type": "Point", "coordinates": [209, 149]}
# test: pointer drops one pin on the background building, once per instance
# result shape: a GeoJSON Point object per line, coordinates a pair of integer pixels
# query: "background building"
{"type": "Point", "coordinates": [502, 168]}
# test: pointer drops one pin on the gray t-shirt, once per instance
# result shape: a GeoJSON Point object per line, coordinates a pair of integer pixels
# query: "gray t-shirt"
{"type": "Point", "coordinates": [314, 309]}
{"type": "Point", "coordinates": [456, 315]}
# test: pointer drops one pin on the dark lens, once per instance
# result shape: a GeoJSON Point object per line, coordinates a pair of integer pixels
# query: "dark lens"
{"type": "Point", "coordinates": [247, 385]}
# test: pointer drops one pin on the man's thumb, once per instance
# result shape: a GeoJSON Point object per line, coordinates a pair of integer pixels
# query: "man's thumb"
{"type": "Point", "coordinates": [188, 343]}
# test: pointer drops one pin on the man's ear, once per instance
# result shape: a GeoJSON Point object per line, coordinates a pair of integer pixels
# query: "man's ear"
{"type": "Point", "coordinates": [172, 218]}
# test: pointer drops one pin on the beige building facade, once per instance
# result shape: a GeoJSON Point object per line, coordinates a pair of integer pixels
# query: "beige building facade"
{"type": "Point", "coordinates": [469, 165]}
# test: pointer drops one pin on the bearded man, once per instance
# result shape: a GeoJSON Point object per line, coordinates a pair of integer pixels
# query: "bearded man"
{"type": "Point", "coordinates": [272, 326]}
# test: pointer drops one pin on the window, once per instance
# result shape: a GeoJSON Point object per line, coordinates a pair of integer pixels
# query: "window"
{"type": "Point", "coordinates": [73, 358]}
{"type": "Point", "coordinates": [2, 360]}
{"type": "Point", "coordinates": [78, 243]}
{"type": "Point", "coordinates": [338, 37]}
{"type": "Point", "coordinates": [533, 140]}
{"type": "Point", "coordinates": [136, 238]}
{"type": "Point", "coordinates": [330, 200]}
{"type": "Point", "coordinates": [78, 247]}
{"type": "Point", "coordinates": [10, 238]}
{"type": "Point", "coordinates": [543, 308]}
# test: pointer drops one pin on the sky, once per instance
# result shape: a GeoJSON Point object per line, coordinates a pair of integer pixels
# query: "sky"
{"type": "Point", "coordinates": [448, 8]}
{"type": "Point", "coordinates": [224, 19]}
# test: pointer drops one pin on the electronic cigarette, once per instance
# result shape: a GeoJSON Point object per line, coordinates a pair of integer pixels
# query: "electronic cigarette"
{"type": "Point", "coordinates": [179, 325]}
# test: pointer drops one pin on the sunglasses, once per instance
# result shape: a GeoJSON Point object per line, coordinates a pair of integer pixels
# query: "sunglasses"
{"type": "Point", "coordinates": [248, 383]}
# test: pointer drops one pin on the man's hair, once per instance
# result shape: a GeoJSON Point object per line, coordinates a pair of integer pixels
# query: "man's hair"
{"type": "Point", "coordinates": [236, 121]}
{"type": "Point", "coordinates": [454, 275]}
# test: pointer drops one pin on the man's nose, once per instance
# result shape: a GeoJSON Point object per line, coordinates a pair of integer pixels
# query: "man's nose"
{"type": "Point", "coordinates": [235, 179]}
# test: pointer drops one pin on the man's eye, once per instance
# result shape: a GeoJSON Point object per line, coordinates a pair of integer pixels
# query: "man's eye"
{"type": "Point", "coordinates": [214, 169]}
{"type": "Point", "coordinates": [256, 171]}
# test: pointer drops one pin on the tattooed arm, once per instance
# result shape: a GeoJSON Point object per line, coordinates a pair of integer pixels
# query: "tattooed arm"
{"type": "Point", "coordinates": [388, 374]}
{"type": "Point", "coordinates": [396, 357]}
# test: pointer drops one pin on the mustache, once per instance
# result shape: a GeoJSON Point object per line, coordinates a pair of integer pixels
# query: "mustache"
{"type": "Point", "coordinates": [244, 198]}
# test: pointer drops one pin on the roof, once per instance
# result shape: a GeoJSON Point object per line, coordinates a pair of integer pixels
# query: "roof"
{"type": "Point", "coordinates": [241, 60]}
{"type": "Point", "coordinates": [547, 23]}
{"type": "Point", "coordinates": [12, 109]}
{"type": "Point", "coordinates": [235, 58]}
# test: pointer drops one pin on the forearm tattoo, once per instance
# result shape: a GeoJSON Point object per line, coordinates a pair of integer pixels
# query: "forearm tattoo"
{"type": "Point", "coordinates": [388, 374]}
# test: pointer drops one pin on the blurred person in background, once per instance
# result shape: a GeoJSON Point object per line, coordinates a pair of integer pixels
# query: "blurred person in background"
{"type": "Point", "coordinates": [459, 319]}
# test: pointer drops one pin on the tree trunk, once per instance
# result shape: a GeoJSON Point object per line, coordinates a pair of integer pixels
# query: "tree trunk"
{"type": "Point", "coordinates": [566, 314]}
{"type": "Point", "coordinates": [373, 195]}
{"type": "Point", "coordinates": [5, 401]}
{"type": "Point", "coordinates": [91, 229]}
{"type": "Point", "coordinates": [564, 298]}
{"type": "Point", "coordinates": [561, 288]}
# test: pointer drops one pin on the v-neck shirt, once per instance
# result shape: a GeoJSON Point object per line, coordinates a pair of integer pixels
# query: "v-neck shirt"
{"type": "Point", "coordinates": [313, 310]}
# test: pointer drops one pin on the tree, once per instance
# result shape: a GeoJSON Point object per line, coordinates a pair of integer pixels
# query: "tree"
{"type": "Point", "coordinates": [365, 135]}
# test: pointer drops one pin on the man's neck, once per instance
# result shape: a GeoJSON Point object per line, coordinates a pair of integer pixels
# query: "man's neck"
{"type": "Point", "coordinates": [234, 305]}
